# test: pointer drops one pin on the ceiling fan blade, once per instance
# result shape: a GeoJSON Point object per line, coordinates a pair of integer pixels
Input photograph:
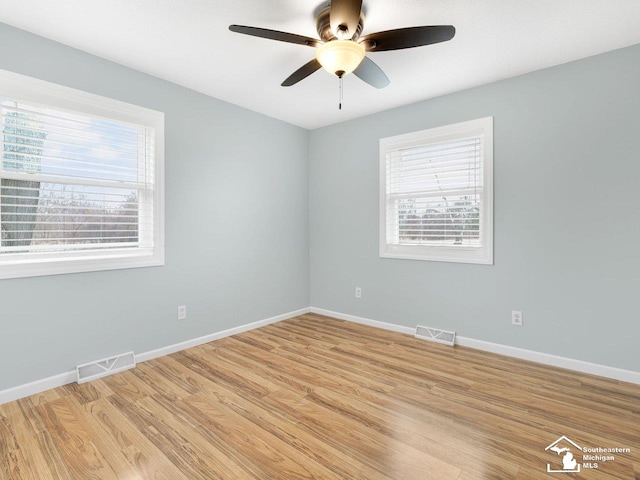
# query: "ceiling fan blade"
{"type": "Point", "coordinates": [275, 35]}
{"type": "Point", "coordinates": [302, 73]}
{"type": "Point", "coordinates": [407, 38]}
{"type": "Point", "coordinates": [368, 71]}
{"type": "Point", "coordinates": [345, 14]}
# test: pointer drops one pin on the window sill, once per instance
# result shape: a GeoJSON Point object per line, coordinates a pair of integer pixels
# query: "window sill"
{"type": "Point", "coordinates": [473, 255]}
{"type": "Point", "coordinates": [37, 268]}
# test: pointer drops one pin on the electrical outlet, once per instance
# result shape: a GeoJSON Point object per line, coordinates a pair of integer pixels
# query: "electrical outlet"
{"type": "Point", "coordinates": [182, 312]}
{"type": "Point", "coordinates": [358, 292]}
{"type": "Point", "coordinates": [516, 318]}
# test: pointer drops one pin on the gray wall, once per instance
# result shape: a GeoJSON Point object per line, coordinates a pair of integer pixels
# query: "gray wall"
{"type": "Point", "coordinates": [567, 221]}
{"type": "Point", "coordinates": [236, 228]}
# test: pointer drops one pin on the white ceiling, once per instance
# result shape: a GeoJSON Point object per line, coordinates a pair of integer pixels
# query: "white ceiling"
{"type": "Point", "coordinates": [188, 42]}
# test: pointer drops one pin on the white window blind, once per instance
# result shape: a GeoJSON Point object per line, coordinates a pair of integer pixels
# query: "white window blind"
{"type": "Point", "coordinates": [435, 198]}
{"type": "Point", "coordinates": [76, 185]}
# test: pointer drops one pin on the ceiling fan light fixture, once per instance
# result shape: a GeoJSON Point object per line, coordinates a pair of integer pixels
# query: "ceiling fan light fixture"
{"type": "Point", "coordinates": [341, 47]}
{"type": "Point", "coordinates": [340, 56]}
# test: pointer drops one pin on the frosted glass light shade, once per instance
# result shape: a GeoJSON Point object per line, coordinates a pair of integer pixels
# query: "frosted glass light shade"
{"type": "Point", "coordinates": [340, 56]}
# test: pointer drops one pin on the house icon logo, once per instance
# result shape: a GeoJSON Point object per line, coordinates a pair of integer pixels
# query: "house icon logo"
{"type": "Point", "coordinates": [562, 447]}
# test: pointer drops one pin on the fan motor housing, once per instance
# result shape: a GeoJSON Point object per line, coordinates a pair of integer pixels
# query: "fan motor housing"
{"type": "Point", "coordinates": [323, 26]}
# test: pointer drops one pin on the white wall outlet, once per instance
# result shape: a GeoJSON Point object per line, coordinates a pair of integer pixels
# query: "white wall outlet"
{"type": "Point", "coordinates": [358, 292]}
{"type": "Point", "coordinates": [182, 312]}
{"type": "Point", "coordinates": [516, 318]}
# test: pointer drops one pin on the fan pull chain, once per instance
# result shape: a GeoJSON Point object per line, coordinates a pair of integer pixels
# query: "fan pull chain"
{"type": "Point", "coordinates": [340, 92]}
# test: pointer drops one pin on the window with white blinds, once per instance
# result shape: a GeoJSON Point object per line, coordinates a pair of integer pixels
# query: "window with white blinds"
{"type": "Point", "coordinates": [436, 198]}
{"type": "Point", "coordinates": [80, 181]}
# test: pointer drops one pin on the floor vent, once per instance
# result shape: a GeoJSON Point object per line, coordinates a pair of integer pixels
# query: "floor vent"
{"type": "Point", "coordinates": [436, 335]}
{"type": "Point", "coordinates": [107, 366]}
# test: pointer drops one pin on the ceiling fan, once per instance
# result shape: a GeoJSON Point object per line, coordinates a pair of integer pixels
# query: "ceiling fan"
{"type": "Point", "coordinates": [341, 49]}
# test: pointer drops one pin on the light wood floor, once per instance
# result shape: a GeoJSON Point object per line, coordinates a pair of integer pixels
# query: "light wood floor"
{"type": "Point", "coordinates": [315, 397]}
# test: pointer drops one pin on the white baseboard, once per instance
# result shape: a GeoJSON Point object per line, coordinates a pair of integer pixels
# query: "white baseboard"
{"type": "Point", "coordinates": [553, 360]}
{"type": "Point", "coordinates": [161, 352]}
{"type": "Point", "coordinates": [38, 386]}
{"type": "Point", "coordinates": [364, 321]}
{"type": "Point", "coordinates": [531, 355]}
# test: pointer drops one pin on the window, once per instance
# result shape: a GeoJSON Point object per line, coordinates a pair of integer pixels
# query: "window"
{"type": "Point", "coordinates": [436, 194]}
{"type": "Point", "coordinates": [81, 181]}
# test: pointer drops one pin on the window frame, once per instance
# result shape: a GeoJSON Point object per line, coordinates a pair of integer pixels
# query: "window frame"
{"type": "Point", "coordinates": [458, 254]}
{"type": "Point", "coordinates": [39, 92]}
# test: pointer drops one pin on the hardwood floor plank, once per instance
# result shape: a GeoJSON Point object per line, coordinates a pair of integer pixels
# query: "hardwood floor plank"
{"type": "Point", "coordinates": [339, 361]}
{"type": "Point", "coordinates": [354, 376]}
{"type": "Point", "coordinates": [282, 426]}
{"type": "Point", "coordinates": [312, 376]}
{"type": "Point", "coordinates": [274, 379]}
{"type": "Point", "coordinates": [417, 370]}
{"type": "Point", "coordinates": [149, 376]}
{"type": "Point", "coordinates": [135, 448]}
{"type": "Point", "coordinates": [37, 437]}
{"type": "Point", "coordinates": [434, 439]}
{"type": "Point", "coordinates": [272, 454]}
{"type": "Point", "coordinates": [127, 386]}
{"type": "Point", "coordinates": [313, 336]}
{"type": "Point", "coordinates": [340, 387]}
{"type": "Point", "coordinates": [30, 447]}
{"type": "Point", "coordinates": [87, 392]}
{"type": "Point", "coordinates": [185, 447]}
{"type": "Point", "coordinates": [272, 338]}
{"type": "Point", "coordinates": [222, 371]}
{"type": "Point", "coordinates": [397, 459]}
{"type": "Point", "coordinates": [75, 440]}
{"type": "Point", "coordinates": [12, 463]}
{"type": "Point", "coordinates": [46, 396]}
